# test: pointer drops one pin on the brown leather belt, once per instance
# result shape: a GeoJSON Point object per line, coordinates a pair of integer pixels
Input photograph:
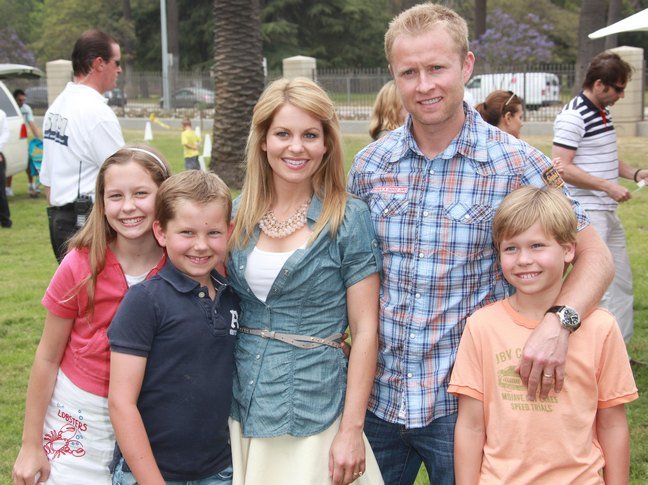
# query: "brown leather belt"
{"type": "Point", "coordinates": [301, 341]}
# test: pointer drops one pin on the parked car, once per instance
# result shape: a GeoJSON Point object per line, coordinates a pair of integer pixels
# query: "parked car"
{"type": "Point", "coordinates": [15, 150]}
{"type": "Point", "coordinates": [37, 97]}
{"type": "Point", "coordinates": [536, 88]}
{"type": "Point", "coordinates": [192, 98]}
{"type": "Point", "coordinates": [116, 97]}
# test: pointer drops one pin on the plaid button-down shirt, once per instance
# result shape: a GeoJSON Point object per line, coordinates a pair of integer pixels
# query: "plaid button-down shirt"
{"type": "Point", "coordinates": [433, 221]}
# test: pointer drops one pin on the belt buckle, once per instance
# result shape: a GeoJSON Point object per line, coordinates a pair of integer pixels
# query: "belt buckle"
{"type": "Point", "coordinates": [267, 333]}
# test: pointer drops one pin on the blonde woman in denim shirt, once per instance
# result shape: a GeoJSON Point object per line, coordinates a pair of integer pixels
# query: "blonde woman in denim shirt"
{"type": "Point", "coordinates": [305, 262]}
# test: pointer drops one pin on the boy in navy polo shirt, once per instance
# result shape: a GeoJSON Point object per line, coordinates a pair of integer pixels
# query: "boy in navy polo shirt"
{"type": "Point", "coordinates": [172, 345]}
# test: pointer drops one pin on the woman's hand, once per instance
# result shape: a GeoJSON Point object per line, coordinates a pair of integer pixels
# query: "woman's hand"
{"type": "Point", "coordinates": [32, 463]}
{"type": "Point", "coordinates": [347, 457]}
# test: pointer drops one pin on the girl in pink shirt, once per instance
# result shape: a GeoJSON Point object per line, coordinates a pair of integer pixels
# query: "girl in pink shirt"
{"type": "Point", "coordinates": [67, 435]}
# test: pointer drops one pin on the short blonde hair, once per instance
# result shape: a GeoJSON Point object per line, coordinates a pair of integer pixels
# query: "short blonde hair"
{"type": "Point", "coordinates": [387, 111]}
{"type": "Point", "coordinates": [421, 18]}
{"type": "Point", "coordinates": [527, 205]}
{"type": "Point", "coordinates": [328, 181]}
{"type": "Point", "coordinates": [192, 186]}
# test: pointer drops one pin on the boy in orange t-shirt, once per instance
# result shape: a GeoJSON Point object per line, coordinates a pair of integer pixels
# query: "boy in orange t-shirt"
{"type": "Point", "coordinates": [577, 436]}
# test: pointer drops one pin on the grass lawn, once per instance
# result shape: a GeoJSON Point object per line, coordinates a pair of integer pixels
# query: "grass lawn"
{"type": "Point", "coordinates": [27, 263]}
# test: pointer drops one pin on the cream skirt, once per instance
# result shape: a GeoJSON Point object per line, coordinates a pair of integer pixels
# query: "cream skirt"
{"type": "Point", "coordinates": [287, 460]}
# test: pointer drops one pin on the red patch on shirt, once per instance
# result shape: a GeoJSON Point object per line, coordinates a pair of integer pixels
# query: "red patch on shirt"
{"type": "Point", "coordinates": [389, 189]}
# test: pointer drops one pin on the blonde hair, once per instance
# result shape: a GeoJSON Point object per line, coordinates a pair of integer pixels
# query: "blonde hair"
{"type": "Point", "coordinates": [421, 18]}
{"type": "Point", "coordinates": [193, 186]}
{"type": "Point", "coordinates": [387, 111]}
{"type": "Point", "coordinates": [97, 234]}
{"type": "Point", "coordinates": [328, 184]}
{"type": "Point", "coordinates": [497, 104]}
{"type": "Point", "coordinates": [527, 205]}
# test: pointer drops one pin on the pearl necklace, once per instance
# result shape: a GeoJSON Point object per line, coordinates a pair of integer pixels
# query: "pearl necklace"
{"type": "Point", "coordinates": [273, 228]}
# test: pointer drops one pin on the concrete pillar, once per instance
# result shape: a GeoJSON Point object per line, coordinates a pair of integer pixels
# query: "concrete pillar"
{"type": "Point", "coordinates": [628, 111]}
{"type": "Point", "coordinates": [300, 66]}
{"type": "Point", "coordinates": [59, 73]}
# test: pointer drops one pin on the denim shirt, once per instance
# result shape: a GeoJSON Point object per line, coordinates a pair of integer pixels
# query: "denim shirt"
{"type": "Point", "coordinates": [281, 389]}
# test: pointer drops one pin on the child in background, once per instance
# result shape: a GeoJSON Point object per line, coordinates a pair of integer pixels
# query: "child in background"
{"type": "Point", "coordinates": [172, 346]}
{"type": "Point", "coordinates": [190, 144]}
{"type": "Point", "coordinates": [67, 436]}
{"type": "Point", "coordinates": [577, 436]}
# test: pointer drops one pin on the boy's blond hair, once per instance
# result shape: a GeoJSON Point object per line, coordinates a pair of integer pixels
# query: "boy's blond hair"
{"type": "Point", "coordinates": [193, 186]}
{"type": "Point", "coordinates": [527, 205]}
{"type": "Point", "coordinates": [422, 18]}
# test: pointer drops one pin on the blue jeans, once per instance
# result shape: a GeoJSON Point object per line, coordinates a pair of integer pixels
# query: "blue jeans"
{"type": "Point", "coordinates": [400, 451]}
{"type": "Point", "coordinates": [120, 477]}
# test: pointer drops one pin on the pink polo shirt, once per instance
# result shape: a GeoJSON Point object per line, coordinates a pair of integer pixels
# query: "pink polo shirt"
{"type": "Point", "coordinates": [86, 361]}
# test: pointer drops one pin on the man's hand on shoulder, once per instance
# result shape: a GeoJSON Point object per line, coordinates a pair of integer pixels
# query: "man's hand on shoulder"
{"type": "Point", "coordinates": [542, 366]}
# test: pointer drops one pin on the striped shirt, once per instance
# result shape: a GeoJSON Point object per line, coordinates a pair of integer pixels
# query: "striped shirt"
{"type": "Point", "coordinates": [433, 221]}
{"type": "Point", "coordinates": [583, 127]}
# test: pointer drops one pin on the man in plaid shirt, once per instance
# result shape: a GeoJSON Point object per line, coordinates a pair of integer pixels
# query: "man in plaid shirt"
{"type": "Point", "coordinates": [433, 186]}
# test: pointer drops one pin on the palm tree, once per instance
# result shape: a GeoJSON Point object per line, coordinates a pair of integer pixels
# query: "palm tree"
{"type": "Point", "coordinates": [239, 79]}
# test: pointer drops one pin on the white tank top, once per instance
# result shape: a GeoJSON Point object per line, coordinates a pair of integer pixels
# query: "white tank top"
{"type": "Point", "coordinates": [262, 270]}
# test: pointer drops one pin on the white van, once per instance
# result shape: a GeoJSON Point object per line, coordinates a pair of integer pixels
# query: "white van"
{"type": "Point", "coordinates": [536, 88]}
{"type": "Point", "coordinates": [15, 151]}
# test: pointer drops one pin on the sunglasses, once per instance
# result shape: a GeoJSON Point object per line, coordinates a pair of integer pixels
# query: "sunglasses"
{"type": "Point", "coordinates": [618, 89]}
{"type": "Point", "coordinates": [116, 61]}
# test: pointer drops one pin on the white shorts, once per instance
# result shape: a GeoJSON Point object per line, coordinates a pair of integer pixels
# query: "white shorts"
{"type": "Point", "coordinates": [77, 436]}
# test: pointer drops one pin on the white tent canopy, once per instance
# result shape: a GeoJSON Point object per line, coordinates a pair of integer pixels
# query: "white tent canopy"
{"type": "Point", "coordinates": [638, 21]}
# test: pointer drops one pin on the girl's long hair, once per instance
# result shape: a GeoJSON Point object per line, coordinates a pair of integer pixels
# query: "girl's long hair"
{"type": "Point", "coordinates": [328, 184]}
{"type": "Point", "coordinates": [96, 234]}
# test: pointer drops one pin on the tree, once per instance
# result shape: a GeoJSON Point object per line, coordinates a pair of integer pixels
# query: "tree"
{"type": "Point", "coordinates": [480, 18]}
{"type": "Point", "coordinates": [508, 41]}
{"type": "Point", "coordinates": [593, 13]}
{"type": "Point", "coordinates": [13, 49]}
{"type": "Point", "coordinates": [614, 15]}
{"type": "Point", "coordinates": [238, 73]}
{"type": "Point", "coordinates": [338, 33]}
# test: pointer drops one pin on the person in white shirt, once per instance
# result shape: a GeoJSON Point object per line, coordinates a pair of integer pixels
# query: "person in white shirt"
{"type": "Point", "coordinates": [586, 141]}
{"type": "Point", "coordinates": [79, 132]}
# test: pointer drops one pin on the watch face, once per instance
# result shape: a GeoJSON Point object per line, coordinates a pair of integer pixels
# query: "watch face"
{"type": "Point", "coordinates": [570, 317]}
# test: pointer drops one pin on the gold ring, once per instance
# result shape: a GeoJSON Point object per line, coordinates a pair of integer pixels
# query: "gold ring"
{"type": "Point", "coordinates": [548, 376]}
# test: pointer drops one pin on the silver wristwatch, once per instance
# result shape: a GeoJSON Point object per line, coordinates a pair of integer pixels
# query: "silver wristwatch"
{"type": "Point", "coordinates": [569, 318]}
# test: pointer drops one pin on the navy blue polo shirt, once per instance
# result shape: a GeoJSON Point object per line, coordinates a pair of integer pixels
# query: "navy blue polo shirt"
{"type": "Point", "coordinates": [188, 341]}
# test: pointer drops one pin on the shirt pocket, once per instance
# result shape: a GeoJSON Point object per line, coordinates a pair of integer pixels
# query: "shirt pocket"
{"type": "Point", "coordinates": [391, 207]}
{"type": "Point", "coordinates": [472, 226]}
{"type": "Point", "coordinates": [391, 222]}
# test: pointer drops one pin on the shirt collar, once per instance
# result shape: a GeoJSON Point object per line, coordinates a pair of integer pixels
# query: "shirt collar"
{"type": "Point", "coordinates": [182, 283]}
{"type": "Point", "coordinates": [315, 209]}
{"type": "Point", "coordinates": [588, 102]}
{"type": "Point", "coordinates": [471, 142]}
